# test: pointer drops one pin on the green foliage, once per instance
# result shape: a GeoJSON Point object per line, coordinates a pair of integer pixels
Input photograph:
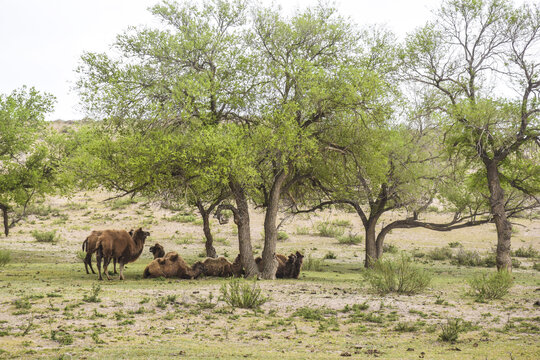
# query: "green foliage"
{"type": "Point", "coordinates": [5, 257]}
{"type": "Point", "coordinates": [390, 249]}
{"type": "Point", "coordinates": [45, 236]}
{"type": "Point", "coordinates": [454, 244]}
{"type": "Point", "coordinates": [529, 252]}
{"type": "Point", "coordinates": [241, 294]}
{"type": "Point", "coordinates": [62, 337]}
{"type": "Point", "coordinates": [27, 150]}
{"type": "Point", "coordinates": [282, 235]}
{"type": "Point", "coordinates": [469, 258]}
{"type": "Point", "coordinates": [312, 264]}
{"type": "Point", "coordinates": [536, 266]}
{"type": "Point", "coordinates": [451, 330]}
{"type": "Point", "coordinates": [327, 229]}
{"type": "Point", "coordinates": [93, 295]}
{"type": "Point", "coordinates": [330, 256]}
{"type": "Point", "coordinates": [351, 239]}
{"type": "Point", "coordinates": [397, 275]}
{"type": "Point", "coordinates": [493, 286]}
{"type": "Point", "coordinates": [443, 253]}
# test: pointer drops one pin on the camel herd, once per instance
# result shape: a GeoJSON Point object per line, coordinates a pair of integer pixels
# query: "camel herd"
{"type": "Point", "coordinates": [123, 247]}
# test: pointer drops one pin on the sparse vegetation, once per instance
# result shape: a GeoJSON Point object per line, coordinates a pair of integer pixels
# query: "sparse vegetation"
{"type": "Point", "coordinates": [351, 239]}
{"type": "Point", "coordinates": [327, 229]}
{"type": "Point", "coordinates": [45, 236]}
{"type": "Point", "coordinates": [528, 252]}
{"type": "Point", "coordinates": [397, 275]}
{"type": "Point", "coordinates": [93, 295]}
{"type": "Point", "coordinates": [450, 330]}
{"type": "Point", "coordinates": [493, 286]}
{"type": "Point", "coordinates": [313, 264]}
{"type": "Point", "coordinates": [5, 257]}
{"type": "Point", "coordinates": [242, 294]}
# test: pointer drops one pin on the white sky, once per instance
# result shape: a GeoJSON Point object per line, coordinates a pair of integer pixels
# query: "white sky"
{"type": "Point", "coordinates": [41, 41]}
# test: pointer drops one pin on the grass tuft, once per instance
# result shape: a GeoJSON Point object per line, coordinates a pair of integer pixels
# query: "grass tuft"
{"type": "Point", "coordinates": [239, 294]}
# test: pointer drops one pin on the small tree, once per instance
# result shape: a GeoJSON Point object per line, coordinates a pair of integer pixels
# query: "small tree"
{"type": "Point", "coordinates": [27, 166]}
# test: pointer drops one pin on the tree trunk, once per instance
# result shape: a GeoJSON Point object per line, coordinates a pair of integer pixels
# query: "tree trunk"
{"type": "Point", "coordinates": [270, 228]}
{"type": "Point", "coordinates": [371, 246]}
{"type": "Point", "coordinates": [504, 228]}
{"type": "Point", "coordinates": [379, 244]}
{"type": "Point", "coordinates": [209, 244]}
{"type": "Point", "coordinates": [241, 218]}
{"type": "Point", "coordinates": [6, 219]}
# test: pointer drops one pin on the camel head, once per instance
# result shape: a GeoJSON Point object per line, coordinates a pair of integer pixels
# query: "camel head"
{"type": "Point", "coordinates": [157, 250]}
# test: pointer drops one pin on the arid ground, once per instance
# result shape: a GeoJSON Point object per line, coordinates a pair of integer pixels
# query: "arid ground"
{"type": "Point", "coordinates": [52, 309]}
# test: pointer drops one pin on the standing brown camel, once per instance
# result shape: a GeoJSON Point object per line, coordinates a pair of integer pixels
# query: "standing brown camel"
{"type": "Point", "coordinates": [89, 245]}
{"type": "Point", "coordinates": [117, 244]}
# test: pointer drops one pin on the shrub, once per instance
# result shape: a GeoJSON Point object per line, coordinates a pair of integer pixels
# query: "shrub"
{"type": "Point", "coordinates": [493, 286]}
{"type": "Point", "coordinates": [351, 239]}
{"type": "Point", "coordinates": [81, 255]}
{"type": "Point", "coordinates": [529, 252]}
{"type": "Point", "coordinates": [122, 203]}
{"type": "Point", "coordinates": [330, 256]}
{"type": "Point", "coordinates": [397, 275]}
{"type": "Point", "coordinates": [455, 244]}
{"type": "Point", "coordinates": [406, 327]}
{"type": "Point", "coordinates": [304, 230]}
{"type": "Point", "coordinates": [442, 253]}
{"type": "Point", "coordinates": [62, 337]}
{"type": "Point", "coordinates": [341, 223]}
{"type": "Point", "coordinates": [536, 266]}
{"type": "Point", "coordinates": [282, 235]}
{"type": "Point", "coordinates": [5, 257]}
{"type": "Point", "coordinates": [467, 258]}
{"type": "Point", "coordinates": [308, 313]}
{"type": "Point", "coordinates": [93, 295]}
{"type": "Point", "coordinates": [390, 249]}
{"type": "Point", "coordinates": [451, 330]}
{"type": "Point", "coordinates": [242, 295]}
{"type": "Point", "coordinates": [312, 264]}
{"type": "Point", "coordinates": [45, 236]}
{"type": "Point", "coordinates": [329, 230]}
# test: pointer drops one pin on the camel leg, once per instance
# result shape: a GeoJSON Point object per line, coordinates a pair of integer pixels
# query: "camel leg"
{"type": "Point", "coordinates": [98, 261]}
{"type": "Point", "coordinates": [106, 262]}
{"type": "Point", "coordinates": [121, 271]}
{"type": "Point", "coordinates": [86, 264]}
{"type": "Point", "coordinates": [114, 263]}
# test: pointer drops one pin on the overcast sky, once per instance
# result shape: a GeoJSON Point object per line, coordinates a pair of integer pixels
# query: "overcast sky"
{"type": "Point", "coordinates": [41, 41]}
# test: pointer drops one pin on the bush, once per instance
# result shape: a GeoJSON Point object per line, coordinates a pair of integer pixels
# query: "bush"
{"type": "Point", "coordinates": [282, 235]}
{"type": "Point", "coordinates": [454, 244]}
{"type": "Point", "coordinates": [451, 330]}
{"type": "Point", "coordinates": [397, 275]}
{"type": "Point", "coordinates": [493, 286]}
{"type": "Point", "coordinates": [93, 295]}
{"type": "Point", "coordinates": [390, 249]}
{"type": "Point", "coordinates": [45, 236]}
{"type": "Point", "coordinates": [242, 295]}
{"type": "Point", "coordinates": [341, 223]}
{"type": "Point", "coordinates": [467, 258]}
{"type": "Point", "coordinates": [312, 264]}
{"type": "Point", "coordinates": [5, 257]}
{"type": "Point", "coordinates": [536, 266]}
{"type": "Point", "coordinates": [329, 230]}
{"type": "Point", "coordinates": [330, 256]}
{"type": "Point", "coordinates": [351, 239]}
{"type": "Point", "coordinates": [529, 252]}
{"type": "Point", "coordinates": [442, 253]}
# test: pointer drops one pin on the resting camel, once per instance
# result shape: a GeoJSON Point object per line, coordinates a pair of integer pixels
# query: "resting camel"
{"type": "Point", "coordinates": [288, 267]}
{"type": "Point", "coordinates": [117, 244]}
{"type": "Point", "coordinates": [89, 245]}
{"type": "Point", "coordinates": [172, 265]}
{"type": "Point", "coordinates": [157, 250]}
{"type": "Point", "coordinates": [221, 267]}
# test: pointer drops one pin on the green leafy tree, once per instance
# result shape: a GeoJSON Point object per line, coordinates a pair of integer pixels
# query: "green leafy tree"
{"type": "Point", "coordinates": [27, 165]}
{"type": "Point", "coordinates": [169, 86]}
{"type": "Point", "coordinates": [481, 60]}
